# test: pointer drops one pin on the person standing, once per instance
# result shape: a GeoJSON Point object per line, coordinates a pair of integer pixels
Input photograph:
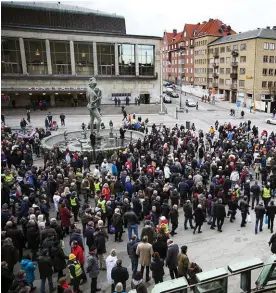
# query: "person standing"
{"type": "Point", "coordinates": [272, 242]}
{"type": "Point", "coordinates": [117, 223]}
{"type": "Point", "coordinates": [74, 204]}
{"type": "Point", "coordinates": [110, 263]}
{"type": "Point", "coordinates": [100, 242]}
{"type": "Point", "coordinates": [45, 267]}
{"type": "Point", "coordinates": [199, 218]}
{"type": "Point", "coordinates": [183, 262]}
{"type": "Point", "coordinates": [132, 221]}
{"type": "Point", "coordinates": [144, 252]}
{"type": "Point", "coordinates": [9, 254]}
{"type": "Point", "coordinates": [171, 260]}
{"type": "Point", "coordinates": [75, 272]}
{"type": "Point", "coordinates": [244, 208]}
{"type": "Point", "coordinates": [256, 191]}
{"type": "Point", "coordinates": [62, 119]}
{"type": "Point", "coordinates": [29, 115]}
{"type": "Point", "coordinates": [188, 214]}
{"type": "Point", "coordinates": [260, 212]}
{"type": "Point", "coordinates": [157, 268]}
{"type": "Point", "coordinates": [220, 214]}
{"type": "Point", "coordinates": [266, 195]}
{"type": "Point", "coordinates": [77, 250]}
{"type": "Point", "coordinates": [271, 211]}
{"type": "Point", "coordinates": [119, 274]}
{"type": "Point", "coordinates": [131, 251]}
{"type": "Point", "coordinates": [93, 269]}
{"type": "Point", "coordinates": [174, 219]}
{"type": "Point", "coordinates": [116, 101]}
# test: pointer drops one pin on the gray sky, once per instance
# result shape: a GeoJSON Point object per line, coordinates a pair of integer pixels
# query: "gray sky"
{"type": "Point", "coordinates": [152, 17]}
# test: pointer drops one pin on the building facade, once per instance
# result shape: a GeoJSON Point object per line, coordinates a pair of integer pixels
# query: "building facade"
{"type": "Point", "coordinates": [41, 59]}
{"type": "Point", "coordinates": [245, 67]}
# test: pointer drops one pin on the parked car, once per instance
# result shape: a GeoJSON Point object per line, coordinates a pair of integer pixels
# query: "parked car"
{"type": "Point", "coordinates": [190, 103]}
{"type": "Point", "coordinates": [271, 121]}
{"type": "Point", "coordinates": [174, 95]}
{"type": "Point", "coordinates": [167, 100]}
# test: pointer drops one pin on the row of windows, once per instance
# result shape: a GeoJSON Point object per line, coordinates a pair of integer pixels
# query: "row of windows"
{"type": "Point", "coordinates": [269, 59]}
{"type": "Point", "coordinates": [269, 46]}
{"type": "Point", "coordinates": [228, 82]}
{"type": "Point", "coordinates": [269, 72]}
{"type": "Point", "coordinates": [201, 43]}
{"type": "Point", "coordinates": [201, 61]}
{"type": "Point", "coordinates": [36, 59]}
{"type": "Point", "coordinates": [200, 70]}
{"type": "Point", "coordinates": [200, 52]}
{"type": "Point", "coordinates": [200, 79]}
{"type": "Point", "coordinates": [268, 84]}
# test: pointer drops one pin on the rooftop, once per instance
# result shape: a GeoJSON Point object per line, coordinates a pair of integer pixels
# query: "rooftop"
{"type": "Point", "coordinates": [56, 6]}
{"type": "Point", "coordinates": [262, 33]}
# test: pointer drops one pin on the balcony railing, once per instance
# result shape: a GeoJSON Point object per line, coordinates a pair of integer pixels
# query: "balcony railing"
{"type": "Point", "coordinates": [234, 75]}
{"type": "Point", "coordinates": [233, 86]}
{"type": "Point", "coordinates": [215, 75]}
{"type": "Point", "coordinates": [215, 65]}
{"type": "Point", "coordinates": [216, 55]}
{"type": "Point", "coordinates": [235, 53]}
{"type": "Point", "coordinates": [234, 64]}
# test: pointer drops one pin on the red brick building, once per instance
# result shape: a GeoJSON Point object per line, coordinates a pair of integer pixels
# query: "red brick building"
{"type": "Point", "coordinates": [178, 50]}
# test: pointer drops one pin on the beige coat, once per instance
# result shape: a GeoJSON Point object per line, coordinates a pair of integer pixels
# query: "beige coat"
{"type": "Point", "coordinates": [144, 252]}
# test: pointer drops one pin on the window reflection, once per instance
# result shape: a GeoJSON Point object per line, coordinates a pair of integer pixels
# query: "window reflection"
{"type": "Point", "coordinates": [36, 59]}
{"type": "Point", "coordinates": [60, 55]}
{"type": "Point", "coordinates": [146, 59]}
{"type": "Point", "coordinates": [126, 58]}
{"type": "Point", "coordinates": [84, 58]}
{"type": "Point", "coordinates": [106, 59]}
{"type": "Point", "coordinates": [10, 56]}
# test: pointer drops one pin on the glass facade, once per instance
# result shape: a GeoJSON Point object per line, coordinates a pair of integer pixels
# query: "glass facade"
{"type": "Point", "coordinates": [60, 56]}
{"type": "Point", "coordinates": [106, 58]}
{"type": "Point", "coordinates": [146, 59]}
{"type": "Point", "coordinates": [36, 59]}
{"type": "Point", "coordinates": [126, 56]}
{"type": "Point", "coordinates": [84, 58]}
{"type": "Point", "coordinates": [10, 56]}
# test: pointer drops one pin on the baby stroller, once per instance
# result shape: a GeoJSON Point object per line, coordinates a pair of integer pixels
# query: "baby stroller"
{"type": "Point", "coordinates": [54, 126]}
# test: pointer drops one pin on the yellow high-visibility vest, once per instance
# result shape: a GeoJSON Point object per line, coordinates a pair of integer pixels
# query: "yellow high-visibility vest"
{"type": "Point", "coordinates": [102, 203]}
{"type": "Point", "coordinates": [73, 201]}
{"type": "Point", "coordinates": [266, 193]}
{"type": "Point", "coordinates": [97, 186]}
{"type": "Point", "coordinates": [78, 269]}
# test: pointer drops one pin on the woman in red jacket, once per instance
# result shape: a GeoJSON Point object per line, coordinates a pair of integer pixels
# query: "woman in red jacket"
{"type": "Point", "coordinates": [65, 216]}
{"type": "Point", "coordinates": [106, 192]}
{"type": "Point", "coordinates": [78, 252]}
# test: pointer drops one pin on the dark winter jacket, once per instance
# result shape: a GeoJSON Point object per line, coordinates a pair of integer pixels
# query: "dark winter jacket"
{"type": "Point", "coordinates": [6, 280]}
{"type": "Point", "coordinates": [174, 216]}
{"type": "Point", "coordinates": [160, 247]}
{"type": "Point", "coordinates": [93, 266]}
{"type": "Point", "coordinates": [188, 211]}
{"type": "Point", "coordinates": [219, 210]}
{"type": "Point", "coordinates": [119, 274]}
{"type": "Point", "coordinates": [9, 254]}
{"type": "Point", "coordinates": [157, 268]}
{"type": "Point", "coordinates": [100, 241]}
{"type": "Point", "coordinates": [172, 253]}
{"type": "Point", "coordinates": [45, 264]}
{"type": "Point", "coordinates": [59, 258]}
{"type": "Point", "coordinates": [150, 232]}
{"type": "Point", "coordinates": [199, 216]}
{"type": "Point", "coordinates": [89, 234]}
{"type": "Point", "coordinates": [131, 250]}
{"type": "Point", "coordinates": [260, 211]}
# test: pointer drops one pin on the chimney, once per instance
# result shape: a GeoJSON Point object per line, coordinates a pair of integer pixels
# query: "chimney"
{"type": "Point", "coordinates": [174, 32]}
{"type": "Point", "coordinates": [268, 27]}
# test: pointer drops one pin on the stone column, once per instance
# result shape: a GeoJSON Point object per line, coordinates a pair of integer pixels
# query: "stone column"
{"type": "Point", "coordinates": [136, 61]}
{"type": "Point", "coordinates": [52, 100]}
{"type": "Point", "coordinates": [95, 60]}
{"type": "Point", "coordinates": [23, 56]}
{"type": "Point", "coordinates": [72, 55]}
{"type": "Point", "coordinates": [116, 59]}
{"type": "Point", "coordinates": [48, 56]}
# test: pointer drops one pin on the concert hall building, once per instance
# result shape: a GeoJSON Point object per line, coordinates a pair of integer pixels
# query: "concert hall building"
{"type": "Point", "coordinates": [49, 51]}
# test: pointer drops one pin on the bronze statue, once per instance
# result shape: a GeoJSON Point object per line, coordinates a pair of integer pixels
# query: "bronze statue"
{"type": "Point", "coordinates": [94, 97]}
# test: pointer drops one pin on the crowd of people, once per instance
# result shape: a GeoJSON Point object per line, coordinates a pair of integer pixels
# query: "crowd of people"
{"type": "Point", "coordinates": [140, 192]}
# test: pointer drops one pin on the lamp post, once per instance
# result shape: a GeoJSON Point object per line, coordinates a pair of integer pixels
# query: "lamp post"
{"type": "Point", "coordinates": [162, 112]}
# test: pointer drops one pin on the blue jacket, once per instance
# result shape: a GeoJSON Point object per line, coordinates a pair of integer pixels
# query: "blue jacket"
{"type": "Point", "coordinates": [129, 188]}
{"type": "Point", "coordinates": [114, 170]}
{"type": "Point", "coordinates": [28, 267]}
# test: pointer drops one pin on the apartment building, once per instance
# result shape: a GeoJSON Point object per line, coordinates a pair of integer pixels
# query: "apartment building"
{"type": "Point", "coordinates": [172, 56]}
{"type": "Point", "coordinates": [180, 61]}
{"type": "Point", "coordinates": [243, 67]}
{"type": "Point", "coordinates": [204, 34]}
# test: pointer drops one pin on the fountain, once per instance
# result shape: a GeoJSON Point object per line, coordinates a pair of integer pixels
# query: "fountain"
{"type": "Point", "coordinates": [102, 140]}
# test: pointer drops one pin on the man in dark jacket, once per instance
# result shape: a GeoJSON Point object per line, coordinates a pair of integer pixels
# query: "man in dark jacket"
{"type": "Point", "coordinates": [100, 243]}
{"type": "Point", "coordinates": [260, 211]}
{"type": "Point", "coordinates": [119, 274]}
{"type": "Point", "coordinates": [132, 221]}
{"type": "Point", "coordinates": [188, 214]}
{"type": "Point", "coordinates": [244, 208]}
{"type": "Point", "coordinates": [117, 222]}
{"type": "Point", "coordinates": [148, 231]}
{"type": "Point", "coordinates": [220, 214]}
{"type": "Point", "coordinates": [89, 234]}
{"type": "Point", "coordinates": [45, 264]}
{"type": "Point", "coordinates": [165, 209]}
{"type": "Point", "coordinates": [171, 260]}
{"type": "Point", "coordinates": [271, 211]}
{"type": "Point", "coordinates": [247, 190]}
{"type": "Point", "coordinates": [160, 246]}
{"type": "Point", "coordinates": [47, 232]}
{"type": "Point", "coordinates": [5, 215]}
{"type": "Point", "coordinates": [256, 191]}
{"type": "Point", "coordinates": [93, 269]}
{"type": "Point", "coordinates": [131, 251]}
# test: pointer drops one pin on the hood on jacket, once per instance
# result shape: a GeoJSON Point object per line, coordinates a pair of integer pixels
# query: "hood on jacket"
{"type": "Point", "coordinates": [24, 263]}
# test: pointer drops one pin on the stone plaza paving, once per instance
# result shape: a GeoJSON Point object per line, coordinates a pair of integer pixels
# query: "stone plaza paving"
{"type": "Point", "coordinates": [210, 249]}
